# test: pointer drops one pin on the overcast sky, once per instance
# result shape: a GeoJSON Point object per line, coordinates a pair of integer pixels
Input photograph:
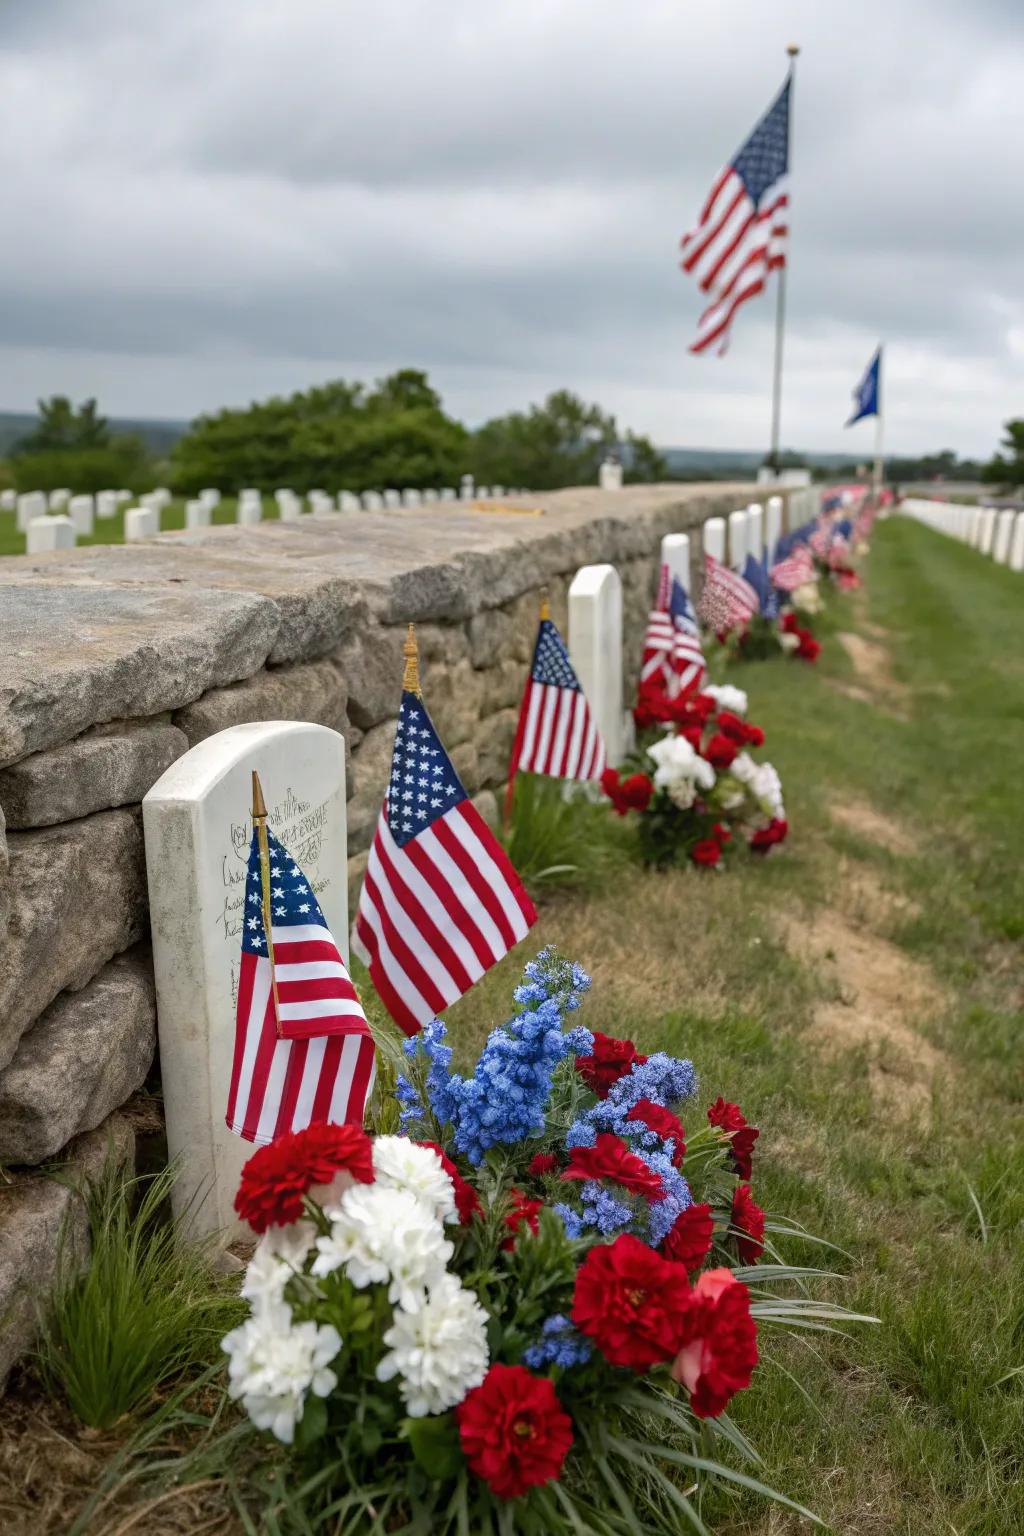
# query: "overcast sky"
{"type": "Point", "coordinates": [203, 202]}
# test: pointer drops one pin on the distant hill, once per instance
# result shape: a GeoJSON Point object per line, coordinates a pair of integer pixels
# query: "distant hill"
{"type": "Point", "coordinates": [159, 436]}
{"type": "Point", "coordinates": [721, 463]}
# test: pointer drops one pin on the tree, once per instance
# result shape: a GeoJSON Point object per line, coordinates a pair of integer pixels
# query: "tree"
{"type": "Point", "coordinates": [334, 435]}
{"type": "Point", "coordinates": [561, 442]}
{"type": "Point", "coordinates": [61, 427]}
{"type": "Point", "coordinates": [1007, 468]}
{"type": "Point", "coordinates": [76, 448]}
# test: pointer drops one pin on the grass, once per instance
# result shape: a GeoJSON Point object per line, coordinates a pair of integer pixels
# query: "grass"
{"type": "Point", "coordinates": [860, 994]}
{"type": "Point", "coordinates": [560, 838]}
{"type": "Point", "coordinates": [110, 530]}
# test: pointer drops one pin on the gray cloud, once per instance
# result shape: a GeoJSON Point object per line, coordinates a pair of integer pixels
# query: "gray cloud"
{"type": "Point", "coordinates": [205, 201]}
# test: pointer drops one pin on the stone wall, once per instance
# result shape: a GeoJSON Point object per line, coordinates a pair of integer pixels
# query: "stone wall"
{"type": "Point", "coordinates": [116, 660]}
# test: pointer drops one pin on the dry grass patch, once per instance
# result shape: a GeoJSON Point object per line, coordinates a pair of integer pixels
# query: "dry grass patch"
{"type": "Point", "coordinates": [863, 818]}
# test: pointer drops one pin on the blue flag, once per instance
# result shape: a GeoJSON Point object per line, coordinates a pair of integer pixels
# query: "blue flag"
{"type": "Point", "coordinates": [756, 572]}
{"type": "Point", "coordinates": [867, 395]}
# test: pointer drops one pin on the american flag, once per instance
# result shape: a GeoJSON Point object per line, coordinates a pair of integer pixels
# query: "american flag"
{"type": "Point", "coordinates": [673, 660]}
{"type": "Point", "coordinates": [741, 234]}
{"type": "Point", "coordinates": [727, 600]}
{"type": "Point", "coordinates": [794, 570]}
{"type": "Point", "coordinates": [304, 1054]}
{"type": "Point", "coordinates": [557, 734]}
{"type": "Point", "coordinates": [440, 902]}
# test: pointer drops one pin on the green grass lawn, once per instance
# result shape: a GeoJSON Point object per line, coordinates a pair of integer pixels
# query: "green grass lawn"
{"type": "Point", "coordinates": [110, 530]}
{"type": "Point", "coordinates": [860, 994]}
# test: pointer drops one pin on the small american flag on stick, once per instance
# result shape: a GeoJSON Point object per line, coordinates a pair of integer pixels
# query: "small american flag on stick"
{"type": "Point", "coordinates": [440, 902]}
{"type": "Point", "coordinates": [304, 1054]}
{"type": "Point", "coordinates": [794, 570]}
{"type": "Point", "coordinates": [741, 234]}
{"type": "Point", "coordinates": [727, 600]}
{"type": "Point", "coordinates": [557, 735]}
{"type": "Point", "coordinates": [673, 661]}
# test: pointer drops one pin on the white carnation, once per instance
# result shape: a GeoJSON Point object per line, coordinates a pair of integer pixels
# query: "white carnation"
{"type": "Point", "coordinates": [273, 1365]}
{"type": "Point", "coordinates": [279, 1254]}
{"type": "Point", "coordinates": [682, 794]}
{"type": "Point", "coordinates": [743, 767]}
{"type": "Point", "coordinates": [439, 1351]}
{"type": "Point", "coordinates": [678, 762]}
{"type": "Point", "coordinates": [399, 1163]}
{"type": "Point", "coordinates": [767, 786]}
{"type": "Point", "coordinates": [788, 641]}
{"type": "Point", "coordinates": [727, 697]}
{"type": "Point", "coordinates": [385, 1236]}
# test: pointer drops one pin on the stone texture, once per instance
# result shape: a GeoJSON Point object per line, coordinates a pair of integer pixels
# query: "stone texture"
{"type": "Point", "coordinates": [454, 696]}
{"type": "Point", "coordinates": [493, 740]}
{"type": "Point", "coordinates": [85, 1056]}
{"type": "Point", "coordinates": [5, 888]}
{"type": "Point", "coordinates": [78, 897]}
{"type": "Point", "coordinates": [371, 767]}
{"type": "Point", "coordinates": [75, 655]}
{"type": "Point", "coordinates": [371, 664]}
{"type": "Point", "coordinates": [107, 766]}
{"type": "Point", "coordinates": [315, 691]}
{"type": "Point", "coordinates": [43, 1225]}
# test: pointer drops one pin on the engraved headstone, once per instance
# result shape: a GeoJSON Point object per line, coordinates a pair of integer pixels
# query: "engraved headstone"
{"type": "Point", "coordinates": [197, 513]}
{"type": "Point", "coordinates": [772, 525]}
{"type": "Point", "coordinates": [738, 539]}
{"type": "Point", "coordinates": [714, 538]}
{"type": "Point", "coordinates": [81, 513]}
{"type": "Point", "coordinates": [755, 531]}
{"type": "Point", "coordinates": [46, 533]}
{"type": "Point", "coordinates": [1003, 534]}
{"type": "Point", "coordinates": [595, 648]}
{"type": "Point", "coordinates": [675, 553]}
{"type": "Point", "coordinates": [141, 523]}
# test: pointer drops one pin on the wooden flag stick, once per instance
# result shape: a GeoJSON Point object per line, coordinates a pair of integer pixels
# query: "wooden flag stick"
{"type": "Point", "coordinates": [259, 821]}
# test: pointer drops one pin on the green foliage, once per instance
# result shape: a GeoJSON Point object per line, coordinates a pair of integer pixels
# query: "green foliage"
{"type": "Point", "coordinates": [61, 428]}
{"type": "Point", "coordinates": [1007, 468]}
{"type": "Point", "coordinates": [148, 1309]}
{"type": "Point", "coordinates": [123, 462]}
{"type": "Point", "coordinates": [561, 442]}
{"type": "Point", "coordinates": [557, 835]}
{"type": "Point", "coordinates": [337, 434]}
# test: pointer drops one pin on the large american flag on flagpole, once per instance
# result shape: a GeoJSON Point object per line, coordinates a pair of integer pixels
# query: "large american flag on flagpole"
{"type": "Point", "coordinates": [673, 661]}
{"type": "Point", "coordinates": [728, 599]}
{"type": "Point", "coordinates": [741, 234]}
{"type": "Point", "coordinates": [304, 1054]}
{"type": "Point", "coordinates": [440, 902]}
{"type": "Point", "coordinates": [557, 734]}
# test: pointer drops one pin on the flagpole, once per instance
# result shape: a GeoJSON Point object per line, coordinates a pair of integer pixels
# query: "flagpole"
{"type": "Point", "coordinates": [879, 434]}
{"type": "Point", "coordinates": [780, 300]}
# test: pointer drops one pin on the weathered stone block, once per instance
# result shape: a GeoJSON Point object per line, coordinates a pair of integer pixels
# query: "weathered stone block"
{"type": "Point", "coordinates": [494, 737]}
{"type": "Point", "coordinates": [454, 696]}
{"type": "Point", "coordinates": [43, 1223]}
{"type": "Point", "coordinates": [5, 889]}
{"type": "Point", "coordinates": [371, 664]}
{"type": "Point", "coordinates": [80, 1061]}
{"type": "Point", "coordinates": [78, 897]}
{"type": "Point", "coordinates": [441, 645]}
{"type": "Point", "coordinates": [314, 691]}
{"type": "Point", "coordinates": [107, 766]}
{"type": "Point", "coordinates": [372, 769]}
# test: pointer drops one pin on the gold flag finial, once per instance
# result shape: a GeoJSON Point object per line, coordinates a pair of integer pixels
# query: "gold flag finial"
{"type": "Point", "coordinates": [545, 606]}
{"type": "Point", "coordinates": [259, 805]}
{"type": "Point", "coordinates": [411, 652]}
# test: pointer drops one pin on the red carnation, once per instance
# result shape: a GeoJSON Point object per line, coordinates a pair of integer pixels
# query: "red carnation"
{"type": "Point", "coordinates": [631, 1302]}
{"type": "Point", "coordinates": [515, 1433]}
{"type": "Point", "coordinates": [663, 1123]}
{"type": "Point", "coordinates": [523, 1209]}
{"type": "Point", "coordinates": [632, 794]}
{"type": "Point", "coordinates": [467, 1201]}
{"type": "Point", "coordinates": [755, 736]}
{"type": "Point", "coordinates": [689, 1241]}
{"type": "Point", "coordinates": [707, 851]}
{"type": "Point", "coordinates": [790, 623]}
{"type": "Point", "coordinates": [544, 1162]}
{"type": "Point", "coordinates": [692, 734]}
{"type": "Point", "coordinates": [652, 707]}
{"type": "Point", "coordinates": [721, 834]}
{"type": "Point", "coordinates": [732, 726]}
{"type": "Point", "coordinates": [611, 1059]}
{"type": "Point", "coordinates": [730, 1118]}
{"type": "Point", "coordinates": [766, 837]}
{"type": "Point", "coordinates": [720, 751]}
{"type": "Point", "coordinates": [747, 1221]}
{"type": "Point", "coordinates": [809, 649]}
{"type": "Point", "coordinates": [276, 1177]}
{"type": "Point", "coordinates": [610, 1158]}
{"type": "Point", "coordinates": [719, 1352]}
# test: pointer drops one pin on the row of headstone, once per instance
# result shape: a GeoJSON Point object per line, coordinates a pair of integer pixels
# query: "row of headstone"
{"type": "Point", "coordinates": [752, 530]}
{"type": "Point", "coordinates": [81, 509]}
{"type": "Point", "coordinates": [997, 532]}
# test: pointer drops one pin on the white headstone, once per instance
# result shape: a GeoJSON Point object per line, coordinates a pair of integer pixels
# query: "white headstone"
{"type": "Point", "coordinates": [198, 829]}
{"type": "Point", "coordinates": [211, 496]}
{"type": "Point", "coordinates": [392, 498]}
{"type": "Point", "coordinates": [1004, 532]}
{"type": "Point", "coordinates": [289, 509]}
{"type": "Point", "coordinates": [141, 523]}
{"type": "Point", "coordinates": [429, 497]}
{"type": "Point", "coordinates": [755, 531]}
{"type": "Point", "coordinates": [162, 497]}
{"type": "Point", "coordinates": [609, 475]}
{"type": "Point", "coordinates": [30, 505]}
{"type": "Point", "coordinates": [197, 514]}
{"type": "Point", "coordinates": [59, 498]}
{"type": "Point", "coordinates": [319, 502]}
{"type": "Point", "coordinates": [81, 513]}
{"type": "Point", "coordinates": [123, 497]}
{"type": "Point", "coordinates": [482, 493]}
{"type": "Point", "coordinates": [466, 488]}
{"type": "Point", "coordinates": [595, 647]}
{"type": "Point", "coordinates": [250, 509]}
{"type": "Point", "coordinates": [106, 504]}
{"type": "Point", "coordinates": [1017, 544]}
{"type": "Point", "coordinates": [448, 493]}
{"type": "Point", "coordinates": [8, 501]}
{"type": "Point", "coordinates": [497, 490]}
{"type": "Point", "coordinates": [46, 533]}
{"type": "Point", "coordinates": [675, 553]}
{"type": "Point", "coordinates": [737, 539]}
{"type": "Point", "coordinates": [772, 524]}
{"type": "Point", "coordinates": [347, 502]}
{"type": "Point", "coordinates": [988, 528]}
{"type": "Point", "coordinates": [373, 501]}
{"type": "Point", "coordinates": [714, 538]}
{"type": "Point", "coordinates": [411, 498]}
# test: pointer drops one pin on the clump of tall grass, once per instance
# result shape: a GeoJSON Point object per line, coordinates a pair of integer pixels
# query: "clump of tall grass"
{"type": "Point", "coordinates": [149, 1308]}
{"type": "Point", "coordinates": [559, 835]}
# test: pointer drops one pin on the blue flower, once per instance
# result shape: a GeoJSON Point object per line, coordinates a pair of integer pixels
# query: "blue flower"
{"type": "Point", "coordinates": [559, 1344]}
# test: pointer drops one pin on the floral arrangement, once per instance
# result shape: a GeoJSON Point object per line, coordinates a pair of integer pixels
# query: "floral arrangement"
{"type": "Point", "coordinates": [697, 789]}
{"type": "Point", "coordinates": [761, 636]}
{"type": "Point", "coordinates": [527, 1302]}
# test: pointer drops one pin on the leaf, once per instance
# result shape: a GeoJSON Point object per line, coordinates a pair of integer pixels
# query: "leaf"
{"type": "Point", "coordinates": [313, 1424]}
{"type": "Point", "coordinates": [435, 1446]}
